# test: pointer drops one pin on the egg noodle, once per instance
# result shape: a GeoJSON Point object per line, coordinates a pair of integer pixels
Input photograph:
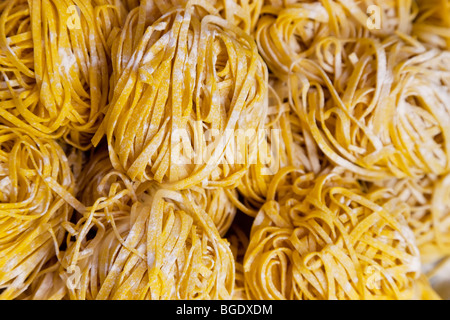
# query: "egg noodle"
{"type": "Point", "coordinates": [36, 198]}
{"type": "Point", "coordinates": [149, 243]}
{"type": "Point", "coordinates": [55, 77]}
{"type": "Point", "coordinates": [433, 23]}
{"type": "Point", "coordinates": [325, 239]}
{"type": "Point", "coordinates": [182, 77]}
{"type": "Point", "coordinates": [429, 218]}
{"type": "Point", "coordinates": [224, 149]}
{"type": "Point", "coordinates": [288, 144]}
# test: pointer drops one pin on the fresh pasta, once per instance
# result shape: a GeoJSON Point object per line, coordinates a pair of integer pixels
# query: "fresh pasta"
{"type": "Point", "coordinates": [57, 70]}
{"type": "Point", "coordinates": [36, 198]}
{"type": "Point", "coordinates": [241, 13]}
{"type": "Point", "coordinates": [146, 242]}
{"type": "Point", "coordinates": [47, 285]}
{"type": "Point", "coordinates": [429, 218]}
{"type": "Point", "coordinates": [289, 31]}
{"type": "Point", "coordinates": [376, 127]}
{"type": "Point", "coordinates": [287, 143]}
{"type": "Point", "coordinates": [385, 17]}
{"type": "Point", "coordinates": [432, 25]}
{"type": "Point", "coordinates": [325, 239]}
{"type": "Point", "coordinates": [366, 100]}
{"type": "Point", "coordinates": [224, 149]}
{"type": "Point", "coordinates": [238, 242]}
{"type": "Point", "coordinates": [181, 93]}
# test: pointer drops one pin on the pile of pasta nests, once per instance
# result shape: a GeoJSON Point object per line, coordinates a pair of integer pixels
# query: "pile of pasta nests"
{"type": "Point", "coordinates": [226, 149]}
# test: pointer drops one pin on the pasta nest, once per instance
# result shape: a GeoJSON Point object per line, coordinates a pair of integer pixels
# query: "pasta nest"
{"type": "Point", "coordinates": [382, 112]}
{"type": "Point", "coordinates": [241, 13]}
{"type": "Point", "coordinates": [186, 93]}
{"type": "Point", "coordinates": [324, 238]}
{"type": "Point", "coordinates": [213, 200]}
{"type": "Point", "coordinates": [288, 31]}
{"type": "Point", "coordinates": [54, 66]}
{"type": "Point", "coordinates": [35, 181]}
{"type": "Point", "coordinates": [429, 202]}
{"type": "Point", "coordinates": [138, 241]}
{"type": "Point", "coordinates": [287, 142]}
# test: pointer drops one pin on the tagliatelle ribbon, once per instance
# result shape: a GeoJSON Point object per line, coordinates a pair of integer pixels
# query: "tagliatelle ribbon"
{"type": "Point", "coordinates": [429, 218]}
{"type": "Point", "coordinates": [37, 185]}
{"type": "Point", "coordinates": [432, 25]}
{"type": "Point", "coordinates": [56, 73]}
{"type": "Point", "coordinates": [241, 13]}
{"type": "Point", "coordinates": [328, 240]}
{"type": "Point", "coordinates": [190, 76]}
{"type": "Point", "coordinates": [148, 243]}
{"type": "Point", "coordinates": [374, 105]}
{"type": "Point", "coordinates": [140, 138]}
{"type": "Point", "coordinates": [288, 143]}
{"type": "Point", "coordinates": [289, 31]}
{"type": "Point", "coordinates": [375, 126]}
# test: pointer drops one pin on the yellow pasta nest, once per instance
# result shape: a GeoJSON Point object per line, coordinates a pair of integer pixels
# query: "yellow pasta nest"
{"type": "Point", "coordinates": [189, 79]}
{"type": "Point", "coordinates": [224, 149]}
{"type": "Point", "coordinates": [35, 181]}
{"type": "Point", "coordinates": [375, 104]}
{"type": "Point", "coordinates": [48, 285]}
{"type": "Point", "coordinates": [324, 238]}
{"type": "Point", "coordinates": [289, 31]}
{"type": "Point", "coordinates": [382, 113]}
{"type": "Point", "coordinates": [54, 79]}
{"type": "Point", "coordinates": [287, 142]}
{"type": "Point", "coordinates": [143, 242]}
{"type": "Point", "coordinates": [429, 219]}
